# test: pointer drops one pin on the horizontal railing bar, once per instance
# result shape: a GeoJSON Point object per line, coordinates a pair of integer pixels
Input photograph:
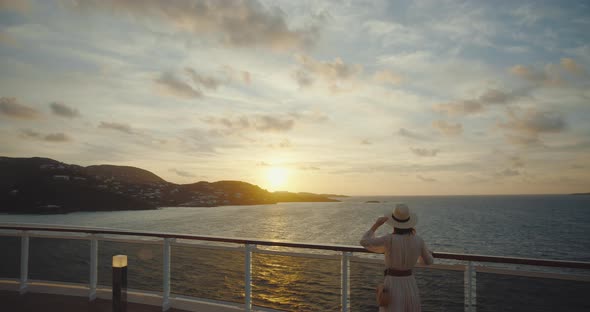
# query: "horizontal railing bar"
{"type": "Point", "coordinates": [258, 251]}
{"type": "Point", "coordinates": [85, 237]}
{"type": "Point", "coordinates": [129, 240]}
{"type": "Point", "coordinates": [183, 236]}
{"type": "Point", "coordinates": [513, 260]}
{"type": "Point", "coordinates": [203, 246]}
{"type": "Point", "coordinates": [345, 248]}
{"type": "Point", "coordinates": [551, 275]}
{"type": "Point", "coordinates": [435, 266]}
{"type": "Point", "coordinates": [53, 236]}
{"type": "Point", "coordinates": [296, 254]}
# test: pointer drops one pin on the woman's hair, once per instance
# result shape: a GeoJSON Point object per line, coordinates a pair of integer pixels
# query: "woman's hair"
{"type": "Point", "coordinates": [410, 231]}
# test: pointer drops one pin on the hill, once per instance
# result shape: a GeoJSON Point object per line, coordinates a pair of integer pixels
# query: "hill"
{"type": "Point", "coordinates": [43, 185]}
{"type": "Point", "coordinates": [124, 174]}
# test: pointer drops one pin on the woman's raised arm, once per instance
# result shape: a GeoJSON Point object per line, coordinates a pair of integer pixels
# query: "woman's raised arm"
{"type": "Point", "coordinates": [372, 243]}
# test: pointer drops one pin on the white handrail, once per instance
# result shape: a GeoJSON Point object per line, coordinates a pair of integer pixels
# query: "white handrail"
{"type": "Point", "coordinates": [24, 261]}
{"type": "Point", "coordinates": [469, 281]}
{"type": "Point", "coordinates": [93, 267]}
{"type": "Point", "coordinates": [166, 275]}
{"type": "Point", "coordinates": [345, 281]}
{"type": "Point", "coordinates": [248, 277]}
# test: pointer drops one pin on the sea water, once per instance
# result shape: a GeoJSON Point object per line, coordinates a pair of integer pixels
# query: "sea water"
{"type": "Point", "coordinates": [533, 226]}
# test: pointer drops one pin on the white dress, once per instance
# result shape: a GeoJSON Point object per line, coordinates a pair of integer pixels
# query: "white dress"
{"type": "Point", "coordinates": [401, 253]}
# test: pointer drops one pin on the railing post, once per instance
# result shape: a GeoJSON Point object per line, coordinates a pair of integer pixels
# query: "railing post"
{"type": "Point", "coordinates": [248, 277]}
{"type": "Point", "coordinates": [470, 288]}
{"type": "Point", "coordinates": [345, 281]}
{"type": "Point", "coordinates": [166, 275]}
{"type": "Point", "coordinates": [93, 267]}
{"type": "Point", "coordinates": [24, 261]}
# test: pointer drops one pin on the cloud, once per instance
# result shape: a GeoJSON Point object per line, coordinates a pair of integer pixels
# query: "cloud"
{"type": "Point", "coordinates": [537, 122]}
{"type": "Point", "coordinates": [477, 105]}
{"type": "Point", "coordinates": [516, 162]}
{"type": "Point", "coordinates": [525, 128]}
{"type": "Point", "coordinates": [64, 110]}
{"type": "Point", "coordinates": [12, 108]}
{"type": "Point", "coordinates": [246, 77]}
{"type": "Point", "coordinates": [572, 67]}
{"type": "Point", "coordinates": [522, 140]}
{"type": "Point", "coordinates": [266, 123]}
{"type": "Point", "coordinates": [366, 142]}
{"type": "Point", "coordinates": [21, 6]}
{"type": "Point", "coordinates": [6, 38]}
{"type": "Point", "coordinates": [182, 173]}
{"type": "Point", "coordinates": [387, 76]}
{"type": "Point", "coordinates": [527, 14]}
{"type": "Point", "coordinates": [285, 143]}
{"type": "Point", "coordinates": [551, 75]}
{"type": "Point", "coordinates": [336, 74]}
{"type": "Point", "coordinates": [446, 128]}
{"type": "Point", "coordinates": [28, 133]}
{"type": "Point", "coordinates": [52, 137]}
{"type": "Point", "coordinates": [261, 123]}
{"type": "Point", "coordinates": [393, 34]}
{"type": "Point", "coordinates": [57, 137]}
{"type": "Point", "coordinates": [232, 74]}
{"type": "Point", "coordinates": [310, 116]}
{"type": "Point", "coordinates": [336, 70]}
{"type": "Point", "coordinates": [303, 78]}
{"type": "Point", "coordinates": [423, 152]}
{"type": "Point", "coordinates": [517, 49]}
{"type": "Point", "coordinates": [204, 81]}
{"type": "Point", "coordinates": [411, 134]}
{"type": "Point", "coordinates": [507, 173]}
{"type": "Point", "coordinates": [116, 126]}
{"type": "Point", "coordinates": [170, 85]}
{"type": "Point", "coordinates": [234, 23]}
{"type": "Point", "coordinates": [426, 179]}
{"type": "Point", "coordinates": [263, 164]}
{"type": "Point", "coordinates": [494, 96]}
{"type": "Point", "coordinates": [581, 52]}
{"type": "Point", "coordinates": [463, 107]}
{"type": "Point", "coordinates": [309, 168]}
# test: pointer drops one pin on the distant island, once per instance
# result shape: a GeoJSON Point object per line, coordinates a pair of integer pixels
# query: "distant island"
{"type": "Point", "coordinates": [372, 202]}
{"type": "Point", "coordinates": [42, 185]}
{"type": "Point", "coordinates": [580, 193]}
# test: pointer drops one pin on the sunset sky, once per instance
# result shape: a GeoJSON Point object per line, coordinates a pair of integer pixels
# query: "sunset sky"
{"type": "Point", "coordinates": [354, 97]}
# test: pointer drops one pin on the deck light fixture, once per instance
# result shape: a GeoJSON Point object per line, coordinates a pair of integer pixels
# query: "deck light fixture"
{"type": "Point", "coordinates": [119, 283]}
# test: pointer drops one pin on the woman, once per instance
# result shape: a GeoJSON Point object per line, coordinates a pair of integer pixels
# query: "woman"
{"type": "Point", "coordinates": [402, 250]}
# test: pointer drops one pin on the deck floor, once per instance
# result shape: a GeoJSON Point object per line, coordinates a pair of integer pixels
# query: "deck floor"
{"type": "Point", "coordinates": [35, 302]}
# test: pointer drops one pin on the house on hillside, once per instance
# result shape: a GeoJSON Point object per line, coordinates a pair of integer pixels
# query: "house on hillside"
{"type": "Point", "coordinates": [61, 177]}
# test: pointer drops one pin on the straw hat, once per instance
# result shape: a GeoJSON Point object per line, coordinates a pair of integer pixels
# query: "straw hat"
{"type": "Point", "coordinates": [402, 218]}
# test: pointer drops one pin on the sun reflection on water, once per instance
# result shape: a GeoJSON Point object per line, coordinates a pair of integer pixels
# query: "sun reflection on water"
{"type": "Point", "coordinates": [281, 281]}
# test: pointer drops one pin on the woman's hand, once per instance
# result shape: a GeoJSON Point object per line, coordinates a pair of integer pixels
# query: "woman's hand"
{"type": "Point", "coordinates": [379, 222]}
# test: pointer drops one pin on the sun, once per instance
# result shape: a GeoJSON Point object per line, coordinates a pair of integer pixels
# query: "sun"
{"type": "Point", "coordinates": [277, 177]}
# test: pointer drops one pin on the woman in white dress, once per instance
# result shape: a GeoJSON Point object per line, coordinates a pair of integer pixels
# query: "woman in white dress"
{"type": "Point", "coordinates": [402, 249]}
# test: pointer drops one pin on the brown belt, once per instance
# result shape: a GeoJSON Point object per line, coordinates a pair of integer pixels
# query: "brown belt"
{"type": "Point", "coordinates": [394, 272]}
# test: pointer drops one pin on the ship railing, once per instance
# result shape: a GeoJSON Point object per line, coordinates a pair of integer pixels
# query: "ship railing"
{"type": "Point", "coordinates": [471, 262]}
